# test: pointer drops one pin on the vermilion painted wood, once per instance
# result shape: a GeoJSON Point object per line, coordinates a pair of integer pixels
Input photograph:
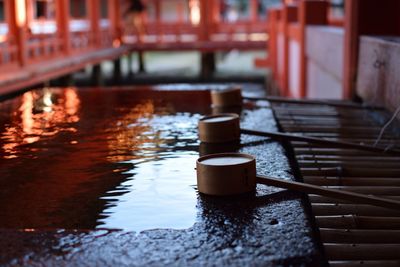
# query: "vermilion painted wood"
{"type": "Point", "coordinates": [272, 49]}
{"type": "Point", "coordinates": [86, 37]}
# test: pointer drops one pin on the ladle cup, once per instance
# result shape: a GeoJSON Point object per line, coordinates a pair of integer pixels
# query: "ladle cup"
{"type": "Point", "coordinates": [231, 97]}
{"type": "Point", "coordinates": [220, 128]}
{"type": "Point", "coordinates": [228, 174]}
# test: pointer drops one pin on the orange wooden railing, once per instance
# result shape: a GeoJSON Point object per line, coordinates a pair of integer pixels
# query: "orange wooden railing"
{"type": "Point", "coordinates": [184, 26]}
{"type": "Point", "coordinates": [288, 60]}
{"type": "Point", "coordinates": [25, 39]}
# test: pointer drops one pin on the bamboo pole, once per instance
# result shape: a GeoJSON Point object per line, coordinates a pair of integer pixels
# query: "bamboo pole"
{"type": "Point", "coordinates": [351, 181]}
{"type": "Point", "coordinates": [311, 102]}
{"type": "Point", "coordinates": [362, 251]}
{"type": "Point", "coordinates": [325, 164]}
{"type": "Point", "coordinates": [334, 128]}
{"type": "Point", "coordinates": [320, 151]}
{"type": "Point", "coordinates": [315, 199]}
{"type": "Point", "coordinates": [359, 158]}
{"type": "Point", "coordinates": [355, 140]}
{"type": "Point", "coordinates": [358, 222]}
{"type": "Point", "coordinates": [350, 172]}
{"type": "Point", "coordinates": [291, 137]}
{"type": "Point", "coordinates": [357, 209]}
{"type": "Point", "coordinates": [370, 190]}
{"type": "Point", "coordinates": [363, 263]}
{"type": "Point", "coordinates": [313, 189]}
{"type": "Point", "coordinates": [371, 236]}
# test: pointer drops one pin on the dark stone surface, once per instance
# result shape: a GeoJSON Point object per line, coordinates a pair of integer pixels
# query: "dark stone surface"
{"type": "Point", "coordinates": [269, 227]}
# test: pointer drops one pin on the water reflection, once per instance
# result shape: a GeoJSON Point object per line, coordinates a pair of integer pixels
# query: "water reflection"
{"type": "Point", "coordinates": [38, 117]}
{"type": "Point", "coordinates": [130, 132]}
{"type": "Point", "coordinates": [160, 194]}
{"type": "Point", "coordinates": [94, 158]}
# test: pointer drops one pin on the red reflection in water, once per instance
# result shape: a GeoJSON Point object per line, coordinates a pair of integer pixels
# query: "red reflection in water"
{"type": "Point", "coordinates": [123, 136]}
{"type": "Point", "coordinates": [41, 114]}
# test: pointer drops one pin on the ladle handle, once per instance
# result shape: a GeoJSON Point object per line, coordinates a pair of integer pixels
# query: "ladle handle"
{"type": "Point", "coordinates": [332, 193]}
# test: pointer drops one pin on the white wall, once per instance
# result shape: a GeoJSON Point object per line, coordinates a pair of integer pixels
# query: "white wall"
{"type": "Point", "coordinates": [325, 54]}
{"type": "Point", "coordinates": [378, 77]}
{"type": "Point", "coordinates": [294, 68]}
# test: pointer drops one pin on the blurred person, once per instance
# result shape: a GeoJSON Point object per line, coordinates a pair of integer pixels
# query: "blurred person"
{"type": "Point", "coordinates": [136, 13]}
{"type": "Point", "coordinates": [223, 9]}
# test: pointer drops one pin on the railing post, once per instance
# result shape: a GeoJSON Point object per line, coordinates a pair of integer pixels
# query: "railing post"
{"type": "Point", "coordinates": [94, 18]}
{"type": "Point", "coordinates": [216, 11]}
{"type": "Point", "coordinates": [289, 15]}
{"type": "Point", "coordinates": [180, 9]}
{"type": "Point", "coordinates": [157, 6]}
{"type": "Point", "coordinates": [62, 18]}
{"type": "Point", "coordinates": [253, 11]}
{"type": "Point", "coordinates": [18, 28]}
{"type": "Point", "coordinates": [214, 17]}
{"type": "Point", "coordinates": [273, 19]}
{"type": "Point", "coordinates": [114, 15]}
{"type": "Point", "coordinates": [205, 19]}
{"type": "Point", "coordinates": [207, 58]}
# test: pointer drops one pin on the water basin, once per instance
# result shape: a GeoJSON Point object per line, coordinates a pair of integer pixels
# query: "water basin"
{"type": "Point", "coordinates": [115, 159]}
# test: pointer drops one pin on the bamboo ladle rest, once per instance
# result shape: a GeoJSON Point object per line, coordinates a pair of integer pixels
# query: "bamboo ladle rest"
{"type": "Point", "coordinates": [226, 128]}
{"type": "Point", "coordinates": [228, 174]}
{"type": "Point", "coordinates": [321, 141]}
{"type": "Point", "coordinates": [277, 99]}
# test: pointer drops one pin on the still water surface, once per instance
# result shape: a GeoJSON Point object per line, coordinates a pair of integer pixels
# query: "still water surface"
{"type": "Point", "coordinates": [91, 158]}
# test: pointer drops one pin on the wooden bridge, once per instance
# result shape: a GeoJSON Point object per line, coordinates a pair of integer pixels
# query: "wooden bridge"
{"type": "Point", "coordinates": [42, 40]}
{"type": "Point", "coordinates": [312, 52]}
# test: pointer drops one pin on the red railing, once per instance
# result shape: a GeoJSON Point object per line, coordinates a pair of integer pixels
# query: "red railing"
{"type": "Point", "coordinates": [81, 36]}
{"type": "Point", "coordinates": [25, 39]}
{"type": "Point", "coordinates": [171, 23]}
{"type": "Point", "coordinates": [195, 23]}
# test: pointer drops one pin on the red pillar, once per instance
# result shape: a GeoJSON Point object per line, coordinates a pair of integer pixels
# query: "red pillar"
{"type": "Point", "coordinates": [18, 28]}
{"type": "Point", "coordinates": [114, 15]}
{"type": "Point", "coordinates": [62, 18]}
{"type": "Point", "coordinates": [94, 18]}
{"type": "Point", "coordinates": [158, 7]}
{"type": "Point", "coordinates": [273, 18]}
{"type": "Point", "coordinates": [216, 11]}
{"type": "Point", "coordinates": [253, 10]}
{"type": "Point", "coordinates": [204, 20]}
{"type": "Point", "coordinates": [289, 15]}
{"type": "Point", "coordinates": [311, 12]}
